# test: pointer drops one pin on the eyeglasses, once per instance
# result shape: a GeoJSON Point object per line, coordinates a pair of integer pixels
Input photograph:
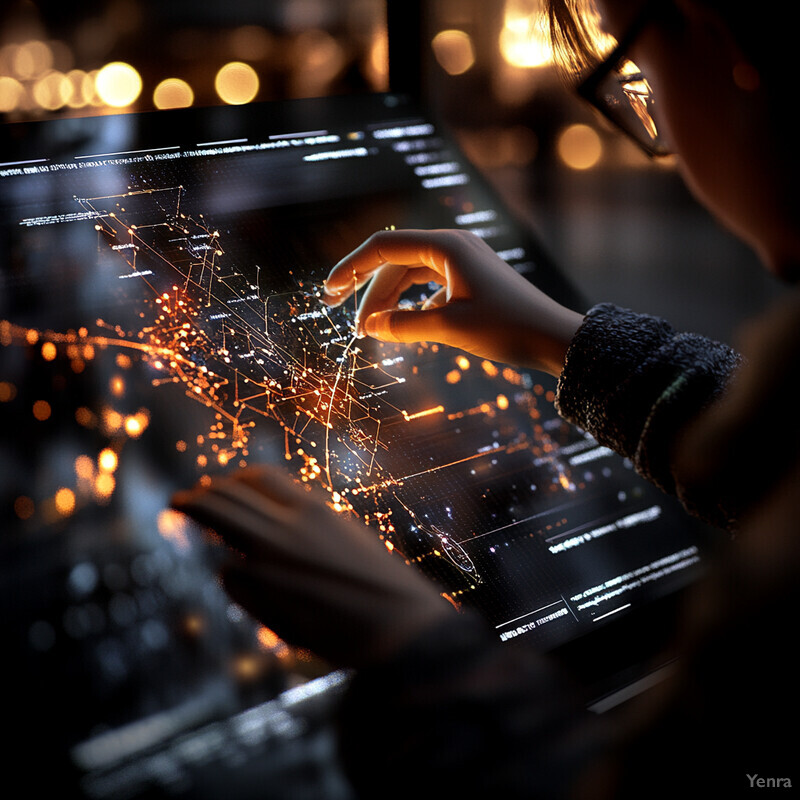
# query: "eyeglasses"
{"type": "Point", "coordinates": [618, 89]}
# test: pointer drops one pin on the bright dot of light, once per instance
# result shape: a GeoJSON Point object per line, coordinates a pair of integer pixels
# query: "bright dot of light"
{"type": "Point", "coordinates": [579, 147]}
{"type": "Point", "coordinates": [135, 424]}
{"type": "Point", "coordinates": [108, 460]}
{"type": "Point", "coordinates": [454, 52]}
{"type": "Point", "coordinates": [118, 84]}
{"type": "Point", "coordinates": [65, 501]}
{"type": "Point", "coordinates": [236, 83]}
{"type": "Point", "coordinates": [173, 93]}
{"type": "Point", "coordinates": [49, 351]}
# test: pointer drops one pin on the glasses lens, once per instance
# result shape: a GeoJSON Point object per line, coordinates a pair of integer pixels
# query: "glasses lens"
{"type": "Point", "coordinates": [627, 98]}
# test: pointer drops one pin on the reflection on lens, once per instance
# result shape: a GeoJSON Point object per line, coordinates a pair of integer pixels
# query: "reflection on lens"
{"type": "Point", "coordinates": [639, 96]}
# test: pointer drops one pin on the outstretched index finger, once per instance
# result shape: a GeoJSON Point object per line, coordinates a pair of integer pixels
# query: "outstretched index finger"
{"type": "Point", "coordinates": [401, 247]}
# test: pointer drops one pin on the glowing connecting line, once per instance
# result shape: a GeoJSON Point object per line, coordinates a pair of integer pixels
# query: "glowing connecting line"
{"type": "Point", "coordinates": [242, 353]}
{"type": "Point", "coordinates": [283, 357]}
{"type": "Point", "coordinates": [427, 413]}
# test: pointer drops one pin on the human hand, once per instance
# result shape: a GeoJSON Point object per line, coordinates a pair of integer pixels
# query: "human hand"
{"type": "Point", "coordinates": [320, 580]}
{"type": "Point", "coordinates": [484, 306]}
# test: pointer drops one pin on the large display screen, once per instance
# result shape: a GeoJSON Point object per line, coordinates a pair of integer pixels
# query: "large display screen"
{"type": "Point", "coordinates": [161, 321]}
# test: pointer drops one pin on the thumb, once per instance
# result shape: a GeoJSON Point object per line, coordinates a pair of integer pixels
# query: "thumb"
{"type": "Point", "coordinates": [405, 325]}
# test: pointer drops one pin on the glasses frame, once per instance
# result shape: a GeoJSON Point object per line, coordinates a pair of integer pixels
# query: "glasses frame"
{"type": "Point", "coordinates": [588, 87]}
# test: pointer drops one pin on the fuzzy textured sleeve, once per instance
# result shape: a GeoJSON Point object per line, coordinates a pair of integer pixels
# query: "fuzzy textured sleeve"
{"type": "Point", "coordinates": [633, 382]}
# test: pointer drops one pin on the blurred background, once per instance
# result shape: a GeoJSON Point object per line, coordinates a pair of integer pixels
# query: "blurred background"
{"type": "Point", "coordinates": [622, 226]}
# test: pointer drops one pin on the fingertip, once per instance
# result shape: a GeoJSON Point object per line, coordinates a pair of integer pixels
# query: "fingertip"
{"type": "Point", "coordinates": [330, 285]}
{"type": "Point", "coordinates": [378, 325]}
{"type": "Point", "coordinates": [332, 295]}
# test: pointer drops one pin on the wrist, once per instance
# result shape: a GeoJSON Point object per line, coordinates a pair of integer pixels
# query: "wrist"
{"type": "Point", "coordinates": [550, 338]}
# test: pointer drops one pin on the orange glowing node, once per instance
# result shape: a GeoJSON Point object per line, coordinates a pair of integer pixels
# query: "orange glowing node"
{"type": "Point", "coordinates": [65, 501]}
{"type": "Point", "coordinates": [136, 424]}
{"type": "Point", "coordinates": [268, 638]}
{"type": "Point", "coordinates": [7, 391]}
{"type": "Point", "coordinates": [84, 417]}
{"type": "Point", "coordinates": [117, 386]}
{"type": "Point", "coordinates": [112, 420]}
{"type": "Point", "coordinates": [108, 460]}
{"type": "Point", "coordinates": [84, 467]}
{"type": "Point", "coordinates": [104, 485]}
{"type": "Point", "coordinates": [42, 410]}
{"type": "Point", "coordinates": [49, 351]}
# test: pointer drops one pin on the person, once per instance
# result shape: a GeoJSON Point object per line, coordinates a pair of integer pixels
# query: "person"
{"type": "Point", "coordinates": [435, 701]}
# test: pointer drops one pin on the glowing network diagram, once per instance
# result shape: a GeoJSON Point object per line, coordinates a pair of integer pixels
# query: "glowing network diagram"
{"type": "Point", "coordinates": [264, 351]}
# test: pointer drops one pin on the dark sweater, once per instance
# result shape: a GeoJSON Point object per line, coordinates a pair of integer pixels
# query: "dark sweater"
{"type": "Point", "coordinates": [459, 715]}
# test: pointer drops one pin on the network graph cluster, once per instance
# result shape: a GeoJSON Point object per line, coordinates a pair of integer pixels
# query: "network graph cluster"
{"type": "Point", "coordinates": [374, 425]}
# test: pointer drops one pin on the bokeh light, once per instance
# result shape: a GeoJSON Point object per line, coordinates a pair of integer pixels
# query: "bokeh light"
{"type": "Point", "coordinates": [31, 59]}
{"type": "Point", "coordinates": [52, 91]}
{"type": "Point", "coordinates": [82, 85]}
{"type": "Point", "coordinates": [173, 93]}
{"type": "Point", "coordinates": [11, 94]}
{"type": "Point", "coordinates": [118, 84]}
{"type": "Point", "coordinates": [454, 51]}
{"type": "Point", "coordinates": [580, 147]}
{"type": "Point", "coordinates": [236, 83]}
{"type": "Point", "coordinates": [65, 501]}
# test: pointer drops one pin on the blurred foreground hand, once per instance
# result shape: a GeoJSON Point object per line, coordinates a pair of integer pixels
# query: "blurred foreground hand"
{"type": "Point", "coordinates": [320, 580]}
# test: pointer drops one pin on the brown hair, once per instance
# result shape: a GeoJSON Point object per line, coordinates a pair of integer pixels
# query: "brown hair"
{"type": "Point", "coordinates": [576, 37]}
{"type": "Point", "coordinates": [765, 39]}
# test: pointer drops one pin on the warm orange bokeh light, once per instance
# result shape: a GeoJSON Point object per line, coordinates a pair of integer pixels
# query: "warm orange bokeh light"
{"type": "Point", "coordinates": [118, 84]}
{"type": "Point", "coordinates": [65, 501]}
{"type": "Point", "coordinates": [236, 83]}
